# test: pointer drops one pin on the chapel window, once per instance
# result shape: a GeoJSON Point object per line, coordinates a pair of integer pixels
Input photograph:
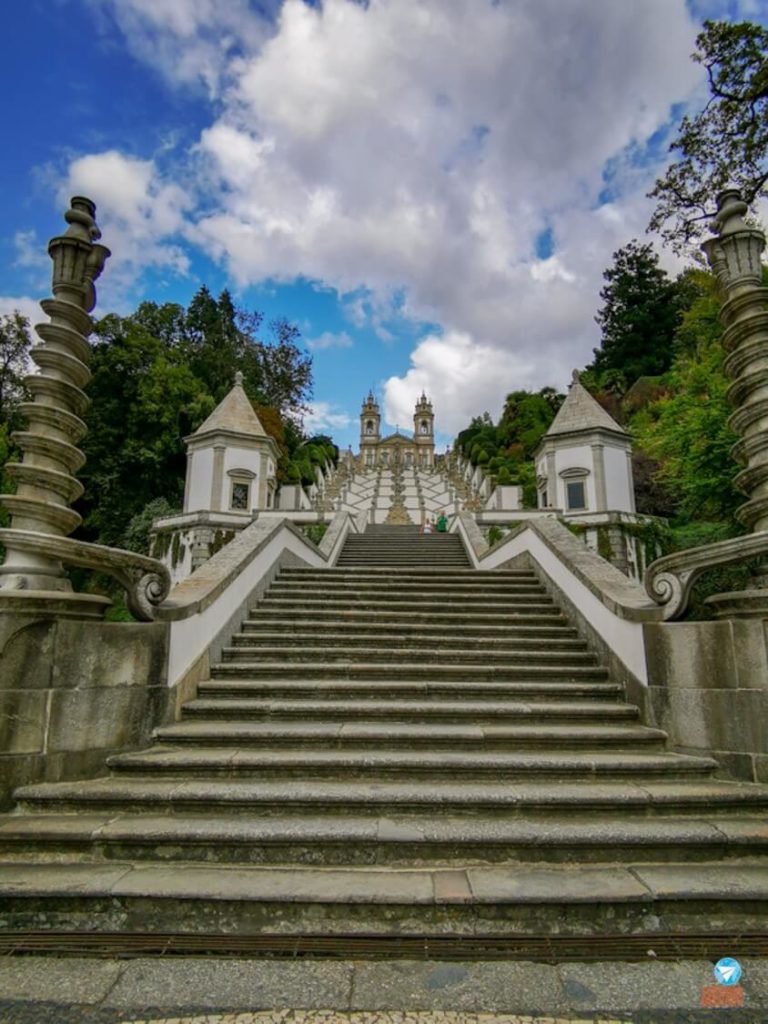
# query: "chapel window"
{"type": "Point", "coordinates": [240, 494]}
{"type": "Point", "coordinates": [575, 495]}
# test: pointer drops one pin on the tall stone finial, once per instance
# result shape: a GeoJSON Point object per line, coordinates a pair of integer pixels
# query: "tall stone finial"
{"type": "Point", "coordinates": [734, 254]}
{"type": "Point", "coordinates": [735, 257]}
{"type": "Point", "coordinates": [239, 379]}
{"type": "Point", "coordinates": [575, 377]}
{"type": "Point", "coordinates": [46, 486]}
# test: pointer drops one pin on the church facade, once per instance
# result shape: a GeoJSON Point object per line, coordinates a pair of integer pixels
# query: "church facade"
{"type": "Point", "coordinates": [407, 451]}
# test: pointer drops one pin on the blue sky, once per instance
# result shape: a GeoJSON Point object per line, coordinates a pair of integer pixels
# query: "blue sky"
{"type": "Point", "coordinates": [430, 189]}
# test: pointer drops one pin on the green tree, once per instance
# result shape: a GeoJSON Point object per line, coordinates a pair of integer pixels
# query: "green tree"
{"type": "Point", "coordinates": [725, 142]}
{"type": "Point", "coordinates": [638, 318]}
{"type": "Point", "coordinates": [686, 430]}
{"type": "Point", "coordinates": [144, 401]}
{"type": "Point", "coordinates": [15, 343]}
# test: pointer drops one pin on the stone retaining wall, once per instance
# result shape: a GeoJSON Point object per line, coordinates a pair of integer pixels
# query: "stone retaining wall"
{"type": "Point", "coordinates": [73, 692]}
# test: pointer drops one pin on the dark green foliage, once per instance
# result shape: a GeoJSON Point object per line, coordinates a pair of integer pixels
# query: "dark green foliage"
{"type": "Point", "coordinates": [314, 531]}
{"type": "Point", "coordinates": [640, 314]}
{"type": "Point", "coordinates": [144, 401]}
{"type": "Point", "coordinates": [726, 142]}
{"type": "Point", "coordinates": [495, 533]}
{"type": "Point", "coordinates": [686, 429]}
{"type": "Point", "coordinates": [157, 374]}
{"type": "Point", "coordinates": [15, 343]}
{"type": "Point", "coordinates": [308, 455]}
{"type": "Point", "coordinates": [136, 536]}
{"type": "Point", "coordinates": [506, 450]}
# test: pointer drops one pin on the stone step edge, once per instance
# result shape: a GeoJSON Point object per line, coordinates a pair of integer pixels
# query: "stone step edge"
{"type": "Point", "coordinates": [329, 653]}
{"type": "Point", "coordinates": [392, 707]}
{"type": "Point", "coordinates": [542, 687]}
{"type": "Point", "coordinates": [408, 829]}
{"type": "Point", "coordinates": [408, 886]}
{"type": "Point", "coordinates": [660, 797]}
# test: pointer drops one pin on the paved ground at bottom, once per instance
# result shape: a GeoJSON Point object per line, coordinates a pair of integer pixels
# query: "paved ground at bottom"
{"type": "Point", "coordinates": [213, 990]}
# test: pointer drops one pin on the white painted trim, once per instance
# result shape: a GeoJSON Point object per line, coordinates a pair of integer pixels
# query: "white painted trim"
{"type": "Point", "coordinates": [615, 606]}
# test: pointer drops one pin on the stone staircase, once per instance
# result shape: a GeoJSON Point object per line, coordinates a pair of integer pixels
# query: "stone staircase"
{"type": "Point", "coordinates": [398, 745]}
{"type": "Point", "coordinates": [405, 546]}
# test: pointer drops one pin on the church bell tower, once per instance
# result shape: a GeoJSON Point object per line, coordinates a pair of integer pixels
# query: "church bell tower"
{"type": "Point", "coordinates": [370, 430]}
{"type": "Point", "coordinates": [424, 432]}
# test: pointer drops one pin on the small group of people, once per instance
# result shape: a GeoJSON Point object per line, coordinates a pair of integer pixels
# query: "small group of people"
{"type": "Point", "coordinates": [432, 525]}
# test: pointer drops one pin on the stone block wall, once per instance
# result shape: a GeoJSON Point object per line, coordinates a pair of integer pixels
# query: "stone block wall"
{"type": "Point", "coordinates": [72, 692]}
{"type": "Point", "coordinates": [708, 689]}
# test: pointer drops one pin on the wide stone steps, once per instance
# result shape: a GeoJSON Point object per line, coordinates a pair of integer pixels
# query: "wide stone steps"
{"type": "Point", "coordinates": [418, 588]}
{"type": "Point", "coordinates": [389, 671]}
{"type": "Point", "coordinates": [255, 630]}
{"type": "Point", "coordinates": [457, 561]}
{"type": "Point", "coordinates": [365, 574]}
{"type": "Point", "coordinates": [430, 763]}
{"type": "Point", "coordinates": [428, 606]}
{"type": "Point", "coordinates": [649, 798]}
{"type": "Point", "coordinates": [248, 651]}
{"type": "Point", "coordinates": [407, 747]}
{"type": "Point", "coordinates": [374, 707]}
{"type": "Point", "coordinates": [356, 839]}
{"type": "Point", "coordinates": [320, 614]}
{"type": "Point", "coordinates": [332, 689]}
{"type": "Point", "coordinates": [407, 734]}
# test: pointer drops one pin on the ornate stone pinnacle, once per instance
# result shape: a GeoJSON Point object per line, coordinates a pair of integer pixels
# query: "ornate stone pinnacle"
{"type": "Point", "coordinates": [239, 379]}
{"type": "Point", "coordinates": [37, 545]}
{"type": "Point", "coordinates": [46, 485]}
{"type": "Point", "coordinates": [735, 258]}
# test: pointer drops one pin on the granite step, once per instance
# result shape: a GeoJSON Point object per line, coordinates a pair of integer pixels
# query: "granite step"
{"type": "Point", "coordinates": [517, 799]}
{"type": "Point", "coordinates": [238, 762]}
{"type": "Point", "coordinates": [412, 735]}
{"type": "Point", "coordinates": [374, 707]}
{"type": "Point", "coordinates": [336, 636]}
{"type": "Point", "coordinates": [387, 900]}
{"type": "Point", "coordinates": [441, 591]}
{"type": "Point", "coordinates": [329, 689]}
{"type": "Point", "coordinates": [407, 838]}
{"type": "Point", "coordinates": [249, 651]}
{"type": "Point", "coordinates": [393, 602]}
{"type": "Point", "coordinates": [319, 614]}
{"type": "Point", "coordinates": [420, 632]}
{"type": "Point", "coordinates": [476, 577]}
{"type": "Point", "coordinates": [365, 670]}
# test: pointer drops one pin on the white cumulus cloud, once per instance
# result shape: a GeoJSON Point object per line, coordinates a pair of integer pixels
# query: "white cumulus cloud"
{"type": "Point", "coordinates": [139, 213]}
{"type": "Point", "coordinates": [324, 416]}
{"type": "Point", "coordinates": [329, 339]}
{"type": "Point", "coordinates": [449, 160]}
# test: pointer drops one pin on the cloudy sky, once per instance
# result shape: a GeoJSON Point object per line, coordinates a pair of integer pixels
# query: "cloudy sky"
{"type": "Point", "coordinates": [430, 189]}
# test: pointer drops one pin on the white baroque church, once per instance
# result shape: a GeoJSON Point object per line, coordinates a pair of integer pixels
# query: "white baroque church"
{"type": "Point", "coordinates": [398, 448]}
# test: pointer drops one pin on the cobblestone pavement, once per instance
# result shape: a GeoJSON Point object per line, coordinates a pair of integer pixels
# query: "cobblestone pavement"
{"type": "Point", "coordinates": [56, 1013]}
{"type": "Point", "coordinates": [212, 990]}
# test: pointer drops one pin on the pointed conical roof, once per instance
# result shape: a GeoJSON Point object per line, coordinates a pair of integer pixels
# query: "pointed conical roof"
{"type": "Point", "coordinates": [234, 414]}
{"type": "Point", "coordinates": [581, 412]}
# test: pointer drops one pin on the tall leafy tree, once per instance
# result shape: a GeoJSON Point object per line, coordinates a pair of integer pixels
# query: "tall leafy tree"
{"type": "Point", "coordinates": [156, 375]}
{"type": "Point", "coordinates": [15, 343]}
{"type": "Point", "coordinates": [725, 142]}
{"type": "Point", "coordinates": [144, 401]}
{"type": "Point", "coordinates": [638, 318]}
